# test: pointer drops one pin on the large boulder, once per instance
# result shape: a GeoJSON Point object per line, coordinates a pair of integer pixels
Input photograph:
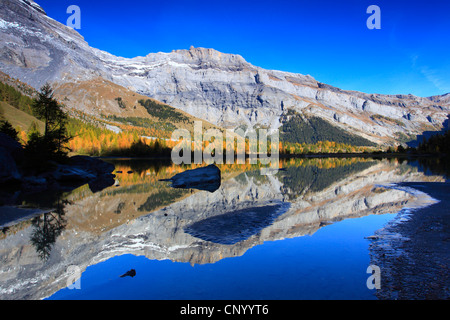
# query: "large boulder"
{"type": "Point", "coordinates": [95, 166]}
{"type": "Point", "coordinates": [205, 178]}
{"type": "Point", "coordinates": [77, 171]}
{"type": "Point", "coordinates": [13, 147]}
{"type": "Point", "coordinates": [66, 173]}
{"type": "Point", "coordinates": [96, 172]}
{"type": "Point", "coordinates": [8, 168]}
{"type": "Point", "coordinates": [11, 151]}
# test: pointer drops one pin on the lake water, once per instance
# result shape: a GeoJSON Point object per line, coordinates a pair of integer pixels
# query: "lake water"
{"type": "Point", "coordinates": [298, 234]}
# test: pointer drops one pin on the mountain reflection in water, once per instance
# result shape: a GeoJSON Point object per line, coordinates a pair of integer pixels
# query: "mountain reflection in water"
{"type": "Point", "coordinates": [142, 216]}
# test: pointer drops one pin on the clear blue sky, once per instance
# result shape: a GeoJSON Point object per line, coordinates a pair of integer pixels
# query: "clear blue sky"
{"type": "Point", "coordinates": [326, 39]}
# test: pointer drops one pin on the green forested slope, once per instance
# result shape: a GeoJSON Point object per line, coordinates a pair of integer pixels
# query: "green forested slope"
{"type": "Point", "coordinates": [299, 129]}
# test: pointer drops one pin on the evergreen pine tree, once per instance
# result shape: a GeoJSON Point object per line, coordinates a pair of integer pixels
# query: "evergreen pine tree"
{"type": "Point", "coordinates": [55, 135]}
{"type": "Point", "coordinates": [9, 130]}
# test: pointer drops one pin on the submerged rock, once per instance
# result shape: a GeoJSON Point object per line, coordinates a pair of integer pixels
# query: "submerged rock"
{"type": "Point", "coordinates": [130, 273]}
{"type": "Point", "coordinates": [205, 178]}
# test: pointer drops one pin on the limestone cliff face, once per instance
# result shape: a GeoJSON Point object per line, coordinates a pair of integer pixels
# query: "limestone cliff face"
{"type": "Point", "coordinates": [221, 88]}
{"type": "Point", "coordinates": [228, 91]}
{"type": "Point", "coordinates": [96, 231]}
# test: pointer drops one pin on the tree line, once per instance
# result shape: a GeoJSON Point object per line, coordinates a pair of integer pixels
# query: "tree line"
{"type": "Point", "coordinates": [13, 97]}
{"type": "Point", "coordinates": [438, 143]}
{"type": "Point", "coordinates": [65, 134]}
{"type": "Point", "coordinates": [314, 130]}
{"type": "Point", "coordinates": [163, 111]}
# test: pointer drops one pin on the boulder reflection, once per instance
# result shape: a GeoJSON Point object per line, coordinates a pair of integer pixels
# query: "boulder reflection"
{"type": "Point", "coordinates": [233, 227]}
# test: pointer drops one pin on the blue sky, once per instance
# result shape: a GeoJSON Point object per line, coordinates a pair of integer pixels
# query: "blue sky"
{"type": "Point", "coordinates": [328, 40]}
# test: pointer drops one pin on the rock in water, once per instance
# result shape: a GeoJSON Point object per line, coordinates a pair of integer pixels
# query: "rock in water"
{"type": "Point", "coordinates": [101, 170]}
{"type": "Point", "coordinates": [97, 166]}
{"type": "Point", "coordinates": [206, 178]}
{"type": "Point", "coordinates": [82, 169]}
{"type": "Point", "coordinates": [130, 273]}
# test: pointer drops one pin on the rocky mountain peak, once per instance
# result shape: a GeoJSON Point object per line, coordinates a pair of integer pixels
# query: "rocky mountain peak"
{"type": "Point", "coordinates": [22, 7]}
{"type": "Point", "coordinates": [207, 57]}
{"type": "Point", "coordinates": [34, 6]}
{"type": "Point", "coordinates": [221, 88]}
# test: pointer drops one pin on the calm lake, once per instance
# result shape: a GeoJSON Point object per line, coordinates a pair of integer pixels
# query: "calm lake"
{"type": "Point", "coordinates": [298, 234]}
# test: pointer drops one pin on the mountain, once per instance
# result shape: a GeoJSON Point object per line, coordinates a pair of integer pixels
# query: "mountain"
{"type": "Point", "coordinates": [221, 88]}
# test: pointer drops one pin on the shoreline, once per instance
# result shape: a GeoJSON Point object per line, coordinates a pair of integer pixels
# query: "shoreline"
{"type": "Point", "coordinates": [413, 252]}
{"type": "Point", "coordinates": [375, 155]}
{"type": "Point", "coordinates": [12, 215]}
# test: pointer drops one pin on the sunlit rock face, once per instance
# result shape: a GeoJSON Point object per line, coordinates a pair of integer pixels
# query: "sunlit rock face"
{"type": "Point", "coordinates": [221, 88]}
{"type": "Point", "coordinates": [146, 217]}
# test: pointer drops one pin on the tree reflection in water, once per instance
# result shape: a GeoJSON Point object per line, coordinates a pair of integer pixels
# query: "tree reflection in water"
{"type": "Point", "coordinates": [47, 228]}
